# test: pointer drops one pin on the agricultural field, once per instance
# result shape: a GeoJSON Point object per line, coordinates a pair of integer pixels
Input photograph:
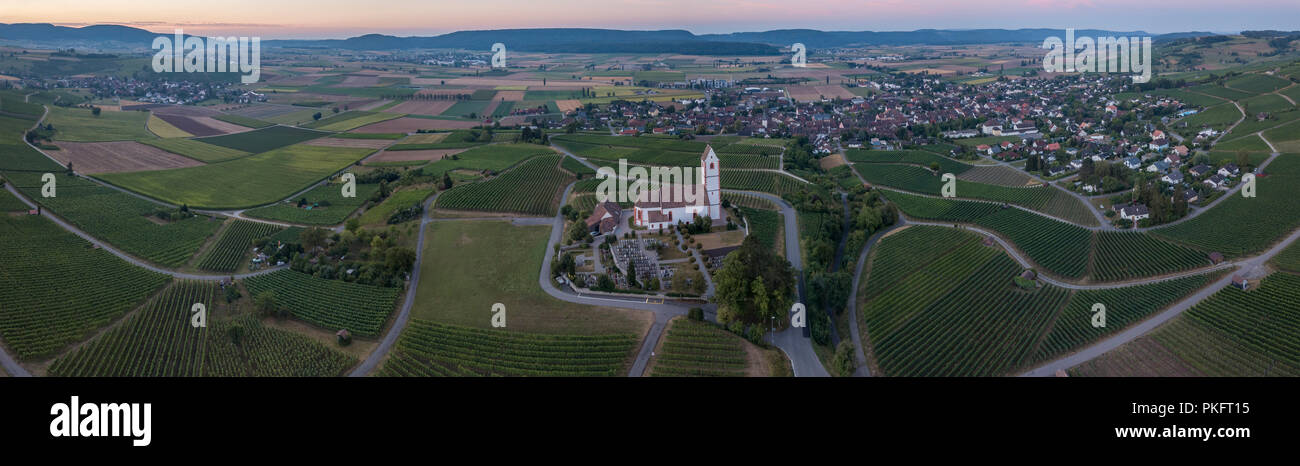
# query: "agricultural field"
{"type": "Point", "coordinates": [1073, 329]}
{"type": "Point", "coordinates": [330, 304]}
{"type": "Point", "coordinates": [930, 208]}
{"type": "Point", "coordinates": [351, 120]}
{"type": "Point", "coordinates": [1120, 256]}
{"type": "Point", "coordinates": [1046, 199]}
{"type": "Point", "coordinates": [1219, 117]}
{"type": "Point", "coordinates": [235, 243]}
{"type": "Point", "coordinates": [1233, 333]}
{"type": "Point", "coordinates": [1057, 246]}
{"type": "Point", "coordinates": [250, 181]}
{"type": "Point", "coordinates": [196, 149]}
{"type": "Point", "coordinates": [532, 188]}
{"type": "Point", "coordinates": [118, 156]}
{"type": "Point", "coordinates": [58, 288]}
{"type": "Point", "coordinates": [480, 263]}
{"type": "Point", "coordinates": [262, 140]}
{"type": "Point", "coordinates": [1257, 83]}
{"type": "Point", "coordinates": [699, 349]}
{"type": "Point", "coordinates": [763, 224]}
{"type": "Point", "coordinates": [432, 349]}
{"type": "Point", "coordinates": [11, 203]}
{"type": "Point", "coordinates": [997, 175]}
{"type": "Point", "coordinates": [1266, 103]}
{"type": "Point", "coordinates": [323, 205]}
{"type": "Point", "coordinates": [243, 121]}
{"type": "Point", "coordinates": [914, 157]}
{"type": "Point", "coordinates": [163, 129]}
{"type": "Point", "coordinates": [907, 249]}
{"type": "Point", "coordinates": [496, 157]}
{"type": "Point", "coordinates": [158, 341]}
{"type": "Point", "coordinates": [1235, 226]}
{"type": "Point", "coordinates": [81, 125]}
{"type": "Point", "coordinates": [379, 214]}
{"type": "Point", "coordinates": [768, 182]}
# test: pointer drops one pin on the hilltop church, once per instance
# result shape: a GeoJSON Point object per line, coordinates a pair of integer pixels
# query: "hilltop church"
{"type": "Point", "coordinates": [660, 214]}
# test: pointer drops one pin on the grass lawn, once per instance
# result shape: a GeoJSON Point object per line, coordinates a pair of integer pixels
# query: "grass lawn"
{"type": "Point", "coordinates": [470, 265]}
{"type": "Point", "coordinates": [80, 125]}
{"type": "Point", "coordinates": [250, 181]}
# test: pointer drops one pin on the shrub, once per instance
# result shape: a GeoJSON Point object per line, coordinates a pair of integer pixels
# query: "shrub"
{"type": "Point", "coordinates": [695, 313]}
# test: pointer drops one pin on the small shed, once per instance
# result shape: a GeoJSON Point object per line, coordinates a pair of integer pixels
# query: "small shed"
{"type": "Point", "coordinates": [1216, 257]}
{"type": "Point", "coordinates": [1240, 282]}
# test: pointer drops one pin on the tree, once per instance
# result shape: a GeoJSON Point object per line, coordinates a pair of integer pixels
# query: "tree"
{"type": "Point", "coordinates": [265, 303]}
{"type": "Point", "coordinates": [400, 259]}
{"type": "Point", "coordinates": [316, 116]}
{"type": "Point", "coordinates": [353, 224]}
{"type": "Point", "coordinates": [95, 111]}
{"type": "Point", "coordinates": [313, 238]}
{"type": "Point", "coordinates": [736, 290]}
{"type": "Point", "coordinates": [446, 181]}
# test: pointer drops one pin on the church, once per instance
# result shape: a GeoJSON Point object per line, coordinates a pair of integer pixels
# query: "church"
{"type": "Point", "coordinates": [660, 214]}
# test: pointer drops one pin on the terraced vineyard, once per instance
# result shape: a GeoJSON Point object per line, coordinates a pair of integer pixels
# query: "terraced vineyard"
{"type": "Point", "coordinates": [917, 157]}
{"type": "Point", "coordinates": [1122, 256]}
{"type": "Point", "coordinates": [263, 351]}
{"type": "Point", "coordinates": [156, 341]}
{"type": "Point", "coordinates": [10, 203]}
{"type": "Point", "coordinates": [985, 326]}
{"type": "Point", "coordinates": [749, 161]}
{"type": "Point", "coordinates": [58, 288]}
{"type": "Point", "coordinates": [332, 304]}
{"type": "Point", "coordinates": [699, 349]}
{"type": "Point", "coordinates": [430, 349]}
{"type": "Point", "coordinates": [331, 207]}
{"type": "Point", "coordinates": [1126, 306]}
{"type": "Point", "coordinates": [234, 244]}
{"type": "Point", "coordinates": [890, 309]}
{"type": "Point", "coordinates": [531, 188]}
{"type": "Point", "coordinates": [763, 224]}
{"type": "Point", "coordinates": [930, 208]}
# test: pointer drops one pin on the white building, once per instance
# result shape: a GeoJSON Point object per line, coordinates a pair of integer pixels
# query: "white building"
{"type": "Point", "coordinates": [660, 210]}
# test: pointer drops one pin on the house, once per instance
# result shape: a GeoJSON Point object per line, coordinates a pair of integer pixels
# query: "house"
{"type": "Point", "coordinates": [1174, 177]}
{"type": "Point", "coordinates": [1217, 181]}
{"type": "Point", "coordinates": [1159, 143]}
{"type": "Point", "coordinates": [604, 218]}
{"type": "Point", "coordinates": [1173, 158]}
{"type": "Point", "coordinates": [1216, 258]}
{"type": "Point", "coordinates": [1199, 170]}
{"type": "Point", "coordinates": [991, 128]}
{"type": "Point", "coordinates": [1133, 163]}
{"type": "Point", "coordinates": [1158, 167]}
{"type": "Point", "coordinates": [1134, 212]}
{"type": "Point", "coordinates": [658, 209]}
{"type": "Point", "coordinates": [1230, 170]}
{"type": "Point", "coordinates": [1191, 196]}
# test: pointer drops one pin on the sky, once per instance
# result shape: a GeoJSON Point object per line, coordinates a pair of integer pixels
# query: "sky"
{"type": "Point", "coordinates": [320, 19]}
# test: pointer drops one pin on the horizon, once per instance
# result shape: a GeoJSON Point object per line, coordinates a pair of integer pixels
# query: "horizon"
{"type": "Point", "coordinates": [325, 21]}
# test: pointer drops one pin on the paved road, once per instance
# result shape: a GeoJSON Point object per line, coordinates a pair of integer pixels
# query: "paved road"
{"type": "Point", "coordinates": [1148, 325]}
{"type": "Point", "coordinates": [404, 315]}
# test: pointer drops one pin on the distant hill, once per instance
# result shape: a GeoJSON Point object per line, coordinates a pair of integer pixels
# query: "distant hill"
{"type": "Point", "coordinates": [579, 40]}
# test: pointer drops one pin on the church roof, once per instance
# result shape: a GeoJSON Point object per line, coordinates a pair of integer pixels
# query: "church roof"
{"type": "Point", "coordinates": [708, 148]}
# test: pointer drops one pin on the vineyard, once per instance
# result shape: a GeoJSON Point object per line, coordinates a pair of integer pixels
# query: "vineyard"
{"type": "Point", "coordinates": [985, 326]}
{"type": "Point", "coordinates": [699, 349]}
{"type": "Point", "coordinates": [57, 288]}
{"type": "Point", "coordinates": [930, 208]}
{"type": "Point", "coordinates": [1055, 245]}
{"type": "Point", "coordinates": [332, 304]}
{"type": "Point", "coordinates": [1122, 256]}
{"type": "Point", "coordinates": [917, 157]}
{"type": "Point", "coordinates": [530, 188]}
{"type": "Point", "coordinates": [10, 203]}
{"type": "Point", "coordinates": [328, 206]}
{"type": "Point", "coordinates": [430, 349]}
{"type": "Point", "coordinates": [1238, 225]}
{"type": "Point", "coordinates": [156, 341]}
{"type": "Point", "coordinates": [898, 255]}
{"type": "Point", "coordinates": [235, 242]}
{"type": "Point", "coordinates": [768, 182]}
{"type": "Point", "coordinates": [1124, 307]}
{"type": "Point", "coordinates": [496, 157]}
{"type": "Point", "coordinates": [749, 161]}
{"type": "Point", "coordinates": [763, 224]}
{"type": "Point", "coordinates": [892, 308]}
{"type": "Point", "coordinates": [1046, 199]}
{"type": "Point", "coordinates": [1263, 322]}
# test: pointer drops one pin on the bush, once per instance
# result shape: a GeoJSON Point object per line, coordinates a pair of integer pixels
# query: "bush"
{"type": "Point", "coordinates": [820, 326]}
{"type": "Point", "coordinates": [842, 363]}
{"type": "Point", "coordinates": [695, 313]}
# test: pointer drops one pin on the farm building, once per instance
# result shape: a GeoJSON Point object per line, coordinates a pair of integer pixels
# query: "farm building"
{"type": "Point", "coordinates": [661, 211]}
{"type": "Point", "coordinates": [604, 218]}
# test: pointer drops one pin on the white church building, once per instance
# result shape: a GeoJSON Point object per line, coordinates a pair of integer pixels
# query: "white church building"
{"type": "Point", "coordinates": [659, 212]}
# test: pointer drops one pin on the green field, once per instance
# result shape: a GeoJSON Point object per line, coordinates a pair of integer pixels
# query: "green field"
{"type": "Point", "coordinates": [379, 214]}
{"type": "Point", "coordinates": [250, 181]}
{"type": "Point", "coordinates": [331, 304]}
{"type": "Point", "coordinates": [158, 341]}
{"type": "Point", "coordinates": [58, 288]}
{"type": "Point", "coordinates": [243, 121]}
{"type": "Point", "coordinates": [1046, 199]}
{"type": "Point", "coordinates": [1257, 83]}
{"type": "Point", "coordinates": [1235, 226]}
{"type": "Point", "coordinates": [480, 263]}
{"type": "Point", "coordinates": [81, 125]}
{"type": "Point", "coordinates": [351, 120]}
{"type": "Point", "coordinates": [196, 149]}
{"type": "Point", "coordinates": [265, 139]}
{"type": "Point", "coordinates": [530, 188]}
{"type": "Point", "coordinates": [923, 158]}
{"type": "Point", "coordinates": [431, 349]}
{"type": "Point", "coordinates": [330, 207]}
{"type": "Point", "coordinates": [495, 157]}
{"type": "Point", "coordinates": [699, 349]}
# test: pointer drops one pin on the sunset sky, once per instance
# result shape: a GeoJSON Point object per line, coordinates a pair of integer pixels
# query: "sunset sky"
{"type": "Point", "coordinates": [276, 19]}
